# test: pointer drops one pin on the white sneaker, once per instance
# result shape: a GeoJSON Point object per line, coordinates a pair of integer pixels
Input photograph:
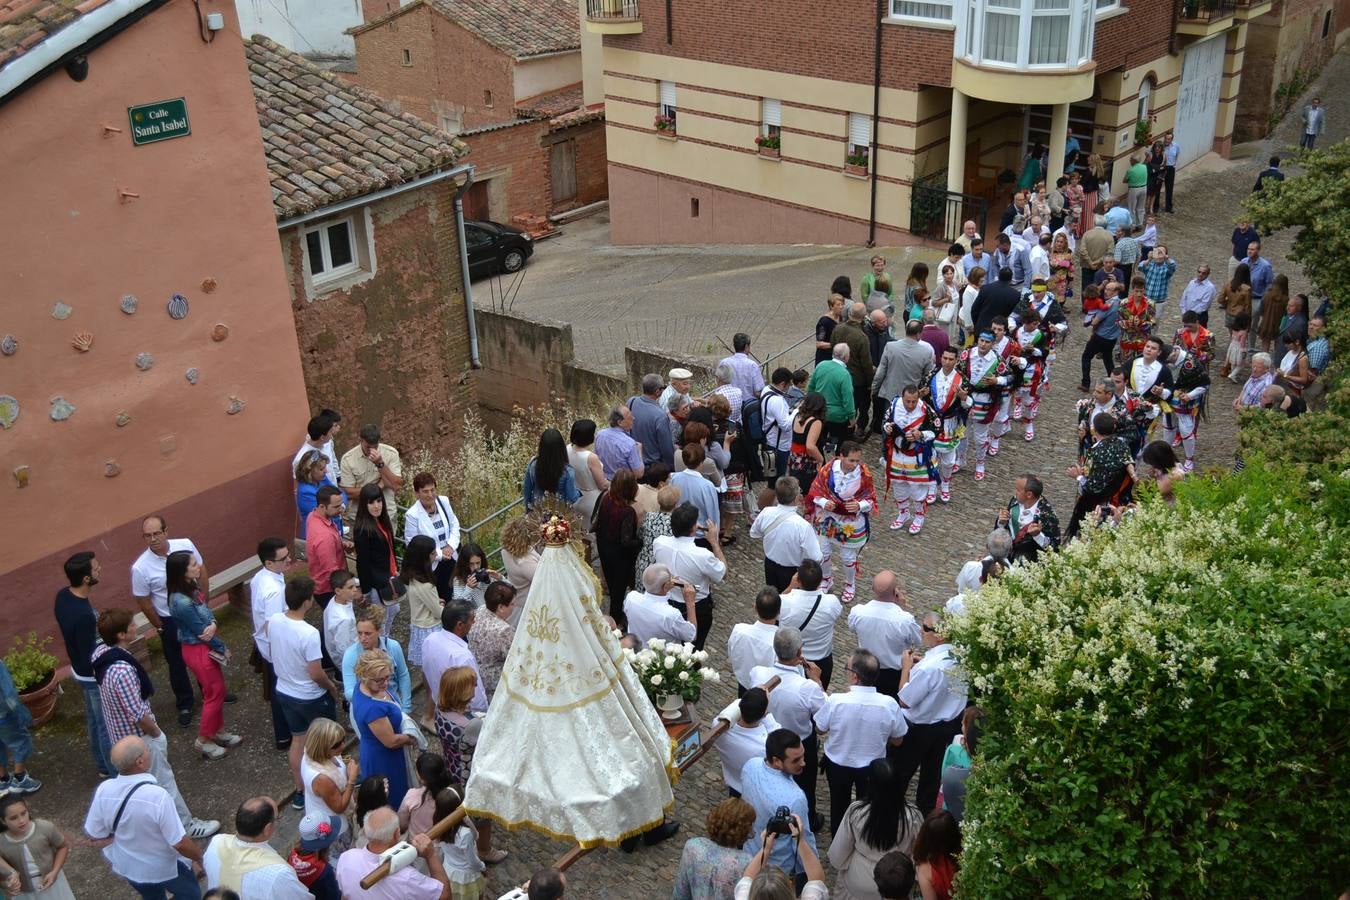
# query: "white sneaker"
{"type": "Point", "coordinates": [201, 829]}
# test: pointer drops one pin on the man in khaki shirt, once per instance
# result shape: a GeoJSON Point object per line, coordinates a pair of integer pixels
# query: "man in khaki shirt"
{"type": "Point", "coordinates": [370, 462]}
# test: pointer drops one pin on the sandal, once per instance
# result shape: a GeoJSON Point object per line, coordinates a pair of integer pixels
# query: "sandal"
{"type": "Point", "coordinates": [494, 856]}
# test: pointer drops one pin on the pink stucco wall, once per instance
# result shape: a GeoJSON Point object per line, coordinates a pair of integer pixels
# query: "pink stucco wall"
{"type": "Point", "coordinates": [204, 211]}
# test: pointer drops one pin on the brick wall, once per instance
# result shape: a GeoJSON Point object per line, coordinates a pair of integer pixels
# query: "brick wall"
{"type": "Point", "coordinates": [393, 349]}
{"type": "Point", "coordinates": [452, 71]}
{"type": "Point", "coordinates": [1142, 34]}
{"type": "Point", "coordinates": [592, 170]}
{"type": "Point", "coordinates": [514, 162]}
{"type": "Point", "coordinates": [1279, 44]}
{"type": "Point", "coordinates": [803, 37]}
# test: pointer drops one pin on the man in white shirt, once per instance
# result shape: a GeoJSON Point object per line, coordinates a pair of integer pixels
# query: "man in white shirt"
{"type": "Point", "coordinates": [793, 703]}
{"type": "Point", "coordinates": [744, 740]}
{"type": "Point", "coordinates": [304, 691]}
{"type": "Point", "coordinates": [788, 538]}
{"type": "Point", "coordinates": [339, 616]}
{"type": "Point", "coordinates": [319, 433]}
{"type": "Point", "coordinates": [858, 726]}
{"type": "Point", "coordinates": [1040, 257]}
{"type": "Point", "coordinates": [775, 414]}
{"type": "Point", "coordinates": [448, 648]}
{"type": "Point", "coordinates": [751, 643]}
{"type": "Point", "coordinates": [245, 862]}
{"type": "Point", "coordinates": [649, 613]}
{"type": "Point", "coordinates": [886, 629]}
{"type": "Point", "coordinates": [693, 565]}
{"type": "Point", "coordinates": [145, 844]}
{"type": "Point", "coordinates": [267, 593]}
{"type": "Point", "coordinates": [813, 612]}
{"type": "Point", "coordinates": [149, 589]}
{"type": "Point", "coordinates": [934, 698]}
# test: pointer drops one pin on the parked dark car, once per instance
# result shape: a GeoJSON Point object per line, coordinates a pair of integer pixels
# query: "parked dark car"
{"type": "Point", "coordinates": [494, 248]}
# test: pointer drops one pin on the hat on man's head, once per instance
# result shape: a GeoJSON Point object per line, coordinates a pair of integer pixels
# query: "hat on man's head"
{"type": "Point", "coordinates": [319, 832]}
{"type": "Point", "coordinates": [680, 373]}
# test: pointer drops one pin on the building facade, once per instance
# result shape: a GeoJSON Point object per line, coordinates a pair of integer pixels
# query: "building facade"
{"type": "Point", "coordinates": [152, 358]}
{"type": "Point", "coordinates": [1286, 48]}
{"type": "Point", "coordinates": [864, 118]}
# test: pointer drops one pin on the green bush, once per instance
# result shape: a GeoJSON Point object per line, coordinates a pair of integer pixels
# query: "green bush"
{"type": "Point", "coordinates": [29, 663]}
{"type": "Point", "coordinates": [1167, 704]}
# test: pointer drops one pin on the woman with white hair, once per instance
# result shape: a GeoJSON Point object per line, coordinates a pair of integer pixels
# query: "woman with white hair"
{"type": "Point", "coordinates": [1262, 377]}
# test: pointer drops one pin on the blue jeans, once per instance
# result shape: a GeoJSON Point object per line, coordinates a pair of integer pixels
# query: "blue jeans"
{"type": "Point", "coordinates": [99, 745]}
{"type": "Point", "coordinates": [16, 744]}
{"type": "Point", "coordinates": [183, 887]}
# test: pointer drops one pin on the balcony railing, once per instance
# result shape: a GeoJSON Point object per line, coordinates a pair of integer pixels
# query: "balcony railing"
{"type": "Point", "coordinates": [612, 11]}
{"type": "Point", "coordinates": [1206, 11]}
{"type": "Point", "coordinates": [938, 214]}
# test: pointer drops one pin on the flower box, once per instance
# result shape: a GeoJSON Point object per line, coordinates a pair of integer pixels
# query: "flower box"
{"type": "Point", "coordinates": [770, 152]}
{"type": "Point", "coordinates": [856, 170]}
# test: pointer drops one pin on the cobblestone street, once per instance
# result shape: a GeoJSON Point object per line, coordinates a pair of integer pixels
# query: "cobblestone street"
{"type": "Point", "coordinates": [1208, 194]}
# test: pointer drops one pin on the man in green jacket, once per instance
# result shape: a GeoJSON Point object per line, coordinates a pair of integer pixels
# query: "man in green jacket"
{"type": "Point", "coordinates": [832, 380]}
{"type": "Point", "coordinates": [1136, 182]}
{"type": "Point", "coordinates": [860, 365]}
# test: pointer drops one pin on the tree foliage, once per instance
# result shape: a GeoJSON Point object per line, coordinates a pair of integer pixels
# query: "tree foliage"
{"type": "Point", "coordinates": [1167, 704]}
{"type": "Point", "coordinates": [1317, 203]}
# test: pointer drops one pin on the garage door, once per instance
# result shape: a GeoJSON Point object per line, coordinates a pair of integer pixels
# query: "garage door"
{"type": "Point", "coordinates": [1198, 102]}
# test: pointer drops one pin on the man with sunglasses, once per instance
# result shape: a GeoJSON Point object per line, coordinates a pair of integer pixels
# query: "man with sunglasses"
{"type": "Point", "coordinates": [149, 587]}
{"type": "Point", "coordinates": [933, 698]}
{"type": "Point", "coordinates": [268, 592]}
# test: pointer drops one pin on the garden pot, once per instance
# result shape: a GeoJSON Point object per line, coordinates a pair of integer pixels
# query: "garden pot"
{"type": "Point", "coordinates": [667, 133]}
{"type": "Point", "coordinates": [769, 152]}
{"type": "Point", "coordinates": [860, 171]}
{"type": "Point", "coordinates": [41, 700]}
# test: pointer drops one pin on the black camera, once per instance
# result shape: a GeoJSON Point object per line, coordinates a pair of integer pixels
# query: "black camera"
{"type": "Point", "coordinates": [780, 822]}
{"type": "Point", "coordinates": [482, 576]}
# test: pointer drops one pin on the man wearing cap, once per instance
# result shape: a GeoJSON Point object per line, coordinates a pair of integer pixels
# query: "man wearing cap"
{"type": "Point", "coordinates": [986, 375]}
{"type": "Point", "coordinates": [245, 862]}
{"type": "Point", "coordinates": [680, 382]}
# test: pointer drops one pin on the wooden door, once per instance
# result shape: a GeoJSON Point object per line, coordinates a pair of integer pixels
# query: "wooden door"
{"type": "Point", "coordinates": [476, 201]}
{"type": "Point", "coordinates": [563, 170]}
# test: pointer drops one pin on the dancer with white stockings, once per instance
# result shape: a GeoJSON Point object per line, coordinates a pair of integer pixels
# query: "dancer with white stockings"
{"type": "Point", "coordinates": [1035, 344]}
{"type": "Point", "coordinates": [910, 429]}
{"type": "Point", "coordinates": [949, 400]}
{"type": "Point", "coordinates": [1011, 352]}
{"type": "Point", "coordinates": [1190, 383]}
{"type": "Point", "coordinates": [986, 376]}
{"type": "Point", "coordinates": [840, 499]}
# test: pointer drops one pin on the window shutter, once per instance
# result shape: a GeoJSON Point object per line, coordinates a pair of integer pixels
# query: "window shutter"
{"type": "Point", "coordinates": [772, 112]}
{"type": "Point", "coordinates": [668, 94]}
{"type": "Point", "coordinates": [859, 130]}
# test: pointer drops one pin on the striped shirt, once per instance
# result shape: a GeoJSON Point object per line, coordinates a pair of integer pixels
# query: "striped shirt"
{"type": "Point", "coordinates": [123, 707]}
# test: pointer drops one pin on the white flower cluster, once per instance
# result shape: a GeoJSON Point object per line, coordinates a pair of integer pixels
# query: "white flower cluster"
{"type": "Point", "coordinates": [668, 663]}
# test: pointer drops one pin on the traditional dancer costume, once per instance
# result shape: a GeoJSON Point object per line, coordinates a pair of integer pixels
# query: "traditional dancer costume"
{"type": "Point", "coordinates": [1053, 322]}
{"type": "Point", "coordinates": [1137, 318]}
{"type": "Point", "coordinates": [1199, 344]}
{"type": "Point", "coordinates": [1144, 377]}
{"type": "Point", "coordinates": [1190, 383]}
{"type": "Point", "coordinates": [1011, 352]}
{"type": "Point", "coordinates": [949, 412]}
{"type": "Point", "coordinates": [1088, 409]}
{"type": "Point", "coordinates": [909, 460]}
{"type": "Point", "coordinates": [1028, 546]}
{"type": "Point", "coordinates": [986, 376]}
{"type": "Point", "coordinates": [1035, 344]}
{"type": "Point", "coordinates": [837, 528]}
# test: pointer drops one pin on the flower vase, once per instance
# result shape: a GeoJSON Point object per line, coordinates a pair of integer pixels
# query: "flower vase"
{"type": "Point", "coordinates": [670, 705]}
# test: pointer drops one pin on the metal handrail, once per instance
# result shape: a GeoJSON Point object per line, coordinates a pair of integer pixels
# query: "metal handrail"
{"type": "Point", "coordinates": [766, 367]}
{"type": "Point", "coordinates": [612, 10]}
{"type": "Point", "coordinates": [497, 514]}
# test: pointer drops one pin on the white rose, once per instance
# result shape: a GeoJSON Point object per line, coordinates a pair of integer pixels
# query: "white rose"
{"type": "Point", "coordinates": [700, 655]}
{"type": "Point", "coordinates": [670, 662]}
{"type": "Point", "coordinates": [656, 680]}
{"type": "Point", "coordinates": [684, 676]}
{"type": "Point", "coordinates": [656, 644]}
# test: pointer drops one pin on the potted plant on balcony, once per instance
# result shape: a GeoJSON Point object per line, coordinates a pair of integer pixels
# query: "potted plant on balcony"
{"type": "Point", "coordinates": [855, 163]}
{"type": "Point", "coordinates": [1143, 131]}
{"type": "Point", "coordinates": [34, 672]}
{"type": "Point", "coordinates": [665, 125]}
{"type": "Point", "coordinates": [671, 674]}
{"type": "Point", "coordinates": [770, 145]}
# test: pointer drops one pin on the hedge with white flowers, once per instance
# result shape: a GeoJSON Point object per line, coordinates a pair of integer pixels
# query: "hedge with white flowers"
{"type": "Point", "coordinates": [1167, 702]}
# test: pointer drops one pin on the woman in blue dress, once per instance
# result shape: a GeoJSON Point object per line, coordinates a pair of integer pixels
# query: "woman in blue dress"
{"type": "Point", "coordinates": [379, 720]}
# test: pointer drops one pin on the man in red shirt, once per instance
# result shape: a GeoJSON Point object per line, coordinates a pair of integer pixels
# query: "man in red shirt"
{"type": "Point", "coordinates": [325, 549]}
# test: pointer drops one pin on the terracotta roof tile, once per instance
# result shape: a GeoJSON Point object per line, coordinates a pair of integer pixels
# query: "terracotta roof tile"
{"type": "Point", "coordinates": [327, 140]}
{"type": "Point", "coordinates": [520, 28]}
{"type": "Point", "coordinates": [26, 23]}
{"type": "Point", "coordinates": [555, 103]}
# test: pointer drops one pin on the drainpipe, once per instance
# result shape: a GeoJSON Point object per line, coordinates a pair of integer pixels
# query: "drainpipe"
{"type": "Point", "coordinates": [876, 119]}
{"type": "Point", "coordinates": [474, 361]}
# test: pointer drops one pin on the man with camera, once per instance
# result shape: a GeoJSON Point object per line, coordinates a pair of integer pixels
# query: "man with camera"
{"type": "Point", "coordinates": [780, 805]}
{"type": "Point", "coordinates": [784, 830]}
{"type": "Point", "coordinates": [650, 614]}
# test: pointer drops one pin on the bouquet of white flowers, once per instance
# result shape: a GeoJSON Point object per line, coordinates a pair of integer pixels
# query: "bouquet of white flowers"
{"type": "Point", "coordinates": [665, 668]}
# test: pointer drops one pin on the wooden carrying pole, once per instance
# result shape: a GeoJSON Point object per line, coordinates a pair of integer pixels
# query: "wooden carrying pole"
{"type": "Point", "coordinates": [436, 832]}
{"type": "Point", "coordinates": [571, 856]}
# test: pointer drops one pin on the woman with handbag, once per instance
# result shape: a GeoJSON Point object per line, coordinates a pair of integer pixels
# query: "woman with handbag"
{"type": "Point", "coordinates": [1294, 373]}
{"type": "Point", "coordinates": [946, 299]}
{"type": "Point", "coordinates": [203, 653]}
{"type": "Point", "coordinates": [376, 563]}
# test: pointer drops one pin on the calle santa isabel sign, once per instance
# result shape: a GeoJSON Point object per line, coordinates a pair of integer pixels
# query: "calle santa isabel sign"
{"type": "Point", "coordinates": [159, 121]}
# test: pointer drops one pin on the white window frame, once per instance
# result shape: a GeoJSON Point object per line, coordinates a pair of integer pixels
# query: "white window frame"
{"type": "Point", "coordinates": [1080, 39]}
{"type": "Point", "coordinates": [667, 98]}
{"type": "Point", "coordinates": [360, 229]}
{"type": "Point", "coordinates": [1107, 7]}
{"type": "Point", "coordinates": [770, 116]}
{"type": "Point", "coordinates": [856, 124]}
{"type": "Point", "coordinates": [1144, 104]}
{"type": "Point", "coordinates": [895, 15]}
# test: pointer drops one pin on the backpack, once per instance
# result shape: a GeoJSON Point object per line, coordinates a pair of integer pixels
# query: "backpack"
{"type": "Point", "coordinates": [752, 419]}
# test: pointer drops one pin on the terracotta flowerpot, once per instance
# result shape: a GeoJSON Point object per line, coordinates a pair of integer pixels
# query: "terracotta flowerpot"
{"type": "Point", "coordinates": [41, 700]}
{"type": "Point", "coordinates": [860, 171]}
{"type": "Point", "coordinates": [770, 152]}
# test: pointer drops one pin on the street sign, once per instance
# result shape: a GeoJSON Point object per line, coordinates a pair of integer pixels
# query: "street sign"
{"type": "Point", "coordinates": [159, 121]}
